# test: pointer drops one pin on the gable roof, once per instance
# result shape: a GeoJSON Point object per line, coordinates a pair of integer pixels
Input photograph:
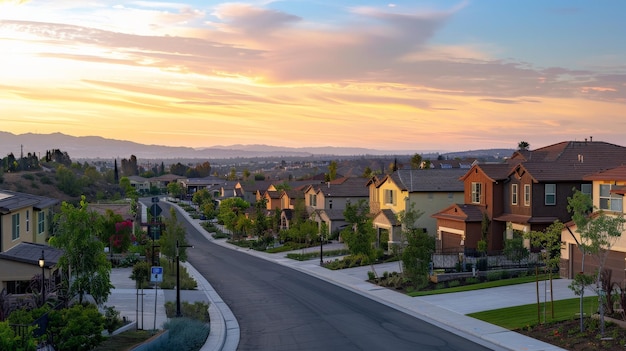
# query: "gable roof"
{"type": "Point", "coordinates": [464, 212]}
{"type": "Point", "coordinates": [12, 201]}
{"type": "Point", "coordinates": [429, 180]}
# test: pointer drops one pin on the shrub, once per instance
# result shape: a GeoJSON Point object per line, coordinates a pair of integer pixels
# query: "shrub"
{"type": "Point", "coordinates": [184, 335]}
{"type": "Point", "coordinates": [482, 264]}
{"type": "Point", "coordinates": [28, 176]}
{"type": "Point", "coordinates": [472, 280]}
{"type": "Point", "coordinates": [496, 275]}
{"type": "Point", "coordinates": [371, 275]}
{"type": "Point", "coordinates": [112, 320]}
{"type": "Point", "coordinates": [197, 311]}
{"type": "Point", "coordinates": [453, 283]}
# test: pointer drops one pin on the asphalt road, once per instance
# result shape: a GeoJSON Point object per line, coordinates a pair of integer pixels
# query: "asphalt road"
{"type": "Point", "coordinates": [278, 308]}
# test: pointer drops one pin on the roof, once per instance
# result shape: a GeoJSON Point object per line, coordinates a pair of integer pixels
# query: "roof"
{"type": "Point", "coordinates": [465, 212]}
{"type": "Point", "coordinates": [210, 180]}
{"type": "Point", "coordinates": [617, 173]}
{"type": "Point", "coordinates": [429, 180]}
{"type": "Point", "coordinates": [11, 201]}
{"type": "Point", "coordinates": [122, 209]}
{"type": "Point", "coordinates": [573, 160]}
{"type": "Point", "coordinates": [345, 187]}
{"type": "Point", "coordinates": [31, 253]}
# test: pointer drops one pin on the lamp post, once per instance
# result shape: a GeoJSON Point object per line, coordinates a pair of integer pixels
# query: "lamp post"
{"type": "Point", "coordinates": [321, 248]}
{"type": "Point", "coordinates": [42, 264]}
{"type": "Point", "coordinates": [178, 313]}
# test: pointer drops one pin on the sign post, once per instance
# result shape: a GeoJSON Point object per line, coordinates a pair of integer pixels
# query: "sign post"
{"type": "Point", "coordinates": [156, 276]}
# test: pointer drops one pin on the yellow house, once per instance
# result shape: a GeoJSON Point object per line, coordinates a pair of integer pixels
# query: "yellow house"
{"type": "Point", "coordinates": [608, 189]}
{"type": "Point", "coordinates": [24, 218]}
{"type": "Point", "coordinates": [426, 190]}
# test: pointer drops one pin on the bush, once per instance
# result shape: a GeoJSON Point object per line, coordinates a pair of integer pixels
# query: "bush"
{"type": "Point", "coordinates": [492, 276]}
{"type": "Point", "coordinates": [112, 320]}
{"type": "Point", "coordinates": [482, 264]}
{"type": "Point", "coordinates": [184, 335]}
{"type": "Point", "coordinates": [371, 275]}
{"type": "Point", "coordinates": [198, 311]}
{"type": "Point", "coordinates": [78, 328]}
{"type": "Point", "coordinates": [472, 280]}
{"type": "Point", "coordinates": [28, 176]}
{"type": "Point", "coordinates": [453, 283]}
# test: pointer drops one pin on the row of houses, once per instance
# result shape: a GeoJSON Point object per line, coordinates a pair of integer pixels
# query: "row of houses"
{"type": "Point", "coordinates": [459, 206]}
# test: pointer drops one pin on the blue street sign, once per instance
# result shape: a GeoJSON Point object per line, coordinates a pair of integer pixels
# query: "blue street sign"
{"type": "Point", "coordinates": [156, 274]}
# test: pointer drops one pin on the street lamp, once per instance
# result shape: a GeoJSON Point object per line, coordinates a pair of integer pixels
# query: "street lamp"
{"type": "Point", "coordinates": [42, 264]}
{"type": "Point", "coordinates": [178, 313]}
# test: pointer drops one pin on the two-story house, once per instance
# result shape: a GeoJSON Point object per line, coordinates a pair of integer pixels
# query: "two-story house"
{"type": "Point", "coordinates": [326, 202]}
{"type": "Point", "coordinates": [24, 227]}
{"type": "Point", "coordinates": [423, 190]}
{"type": "Point", "coordinates": [608, 189]}
{"type": "Point", "coordinates": [527, 193]}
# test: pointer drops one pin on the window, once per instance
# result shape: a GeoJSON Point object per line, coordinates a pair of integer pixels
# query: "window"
{"type": "Point", "coordinates": [390, 197]}
{"type": "Point", "coordinates": [313, 199]}
{"type": "Point", "coordinates": [15, 225]}
{"type": "Point", "coordinates": [586, 189]}
{"type": "Point", "coordinates": [550, 194]}
{"type": "Point", "coordinates": [27, 221]}
{"type": "Point", "coordinates": [608, 201]}
{"type": "Point", "coordinates": [526, 194]}
{"type": "Point", "coordinates": [41, 222]}
{"type": "Point", "coordinates": [513, 194]}
{"type": "Point", "coordinates": [330, 204]}
{"type": "Point", "coordinates": [476, 192]}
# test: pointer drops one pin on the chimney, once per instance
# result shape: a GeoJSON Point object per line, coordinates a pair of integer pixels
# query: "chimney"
{"type": "Point", "coordinates": [591, 139]}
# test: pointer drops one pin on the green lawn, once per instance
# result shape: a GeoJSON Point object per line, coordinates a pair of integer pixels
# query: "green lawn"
{"type": "Point", "coordinates": [478, 286]}
{"type": "Point", "coordinates": [517, 317]}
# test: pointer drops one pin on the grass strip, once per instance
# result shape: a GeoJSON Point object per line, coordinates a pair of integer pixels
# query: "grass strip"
{"type": "Point", "coordinates": [518, 317]}
{"type": "Point", "coordinates": [483, 285]}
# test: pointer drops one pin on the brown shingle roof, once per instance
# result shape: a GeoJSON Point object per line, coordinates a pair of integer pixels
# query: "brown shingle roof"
{"type": "Point", "coordinates": [573, 160]}
{"type": "Point", "coordinates": [617, 173]}
{"type": "Point", "coordinates": [430, 180]}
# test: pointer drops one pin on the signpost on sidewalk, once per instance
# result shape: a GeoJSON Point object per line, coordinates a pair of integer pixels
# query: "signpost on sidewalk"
{"type": "Point", "coordinates": [156, 276]}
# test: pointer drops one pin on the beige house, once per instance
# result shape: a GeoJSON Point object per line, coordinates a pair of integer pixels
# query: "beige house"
{"type": "Point", "coordinates": [608, 191]}
{"type": "Point", "coordinates": [427, 190]}
{"type": "Point", "coordinates": [24, 218]}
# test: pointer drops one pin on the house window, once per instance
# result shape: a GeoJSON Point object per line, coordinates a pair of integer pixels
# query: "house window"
{"type": "Point", "coordinates": [27, 221]}
{"type": "Point", "coordinates": [513, 194]}
{"type": "Point", "coordinates": [390, 197]}
{"type": "Point", "coordinates": [41, 222]}
{"type": "Point", "coordinates": [15, 226]}
{"type": "Point", "coordinates": [526, 194]}
{"type": "Point", "coordinates": [586, 189]}
{"type": "Point", "coordinates": [476, 192]}
{"type": "Point", "coordinates": [330, 204]}
{"type": "Point", "coordinates": [550, 194]}
{"type": "Point", "coordinates": [313, 199]}
{"type": "Point", "coordinates": [608, 201]}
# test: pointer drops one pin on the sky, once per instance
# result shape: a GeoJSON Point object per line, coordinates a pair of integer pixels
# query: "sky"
{"type": "Point", "coordinates": [390, 75]}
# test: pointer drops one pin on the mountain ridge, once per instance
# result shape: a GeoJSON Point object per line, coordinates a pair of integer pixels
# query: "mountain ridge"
{"type": "Point", "coordinates": [97, 147]}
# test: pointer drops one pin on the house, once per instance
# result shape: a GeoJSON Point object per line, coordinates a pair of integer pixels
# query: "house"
{"type": "Point", "coordinates": [24, 218]}
{"type": "Point", "coordinates": [192, 185]}
{"type": "Point", "coordinates": [608, 189]}
{"type": "Point", "coordinates": [326, 202]}
{"type": "Point", "coordinates": [248, 190]}
{"type": "Point", "coordinates": [425, 190]}
{"type": "Point", "coordinates": [526, 193]}
{"type": "Point", "coordinates": [22, 262]}
{"type": "Point", "coordinates": [140, 184]}
{"type": "Point", "coordinates": [459, 226]}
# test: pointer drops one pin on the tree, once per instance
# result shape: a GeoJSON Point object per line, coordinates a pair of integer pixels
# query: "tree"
{"type": "Point", "coordinates": [523, 146]}
{"type": "Point", "coordinates": [367, 173]}
{"type": "Point", "coordinates": [260, 222]}
{"type": "Point", "coordinates": [360, 235]}
{"type": "Point", "coordinates": [417, 247]}
{"type": "Point", "coordinates": [229, 211]}
{"type": "Point", "coordinates": [232, 175]}
{"type": "Point", "coordinates": [174, 232]}
{"type": "Point", "coordinates": [550, 242]}
{"type": "Point", "coordinates": [84, 258]}
{"type": "Point", "coordinates": [246, 174]}
{"type": "Point", "coordinates": [332, 170]}
{"type": "Point", "coordinates": [416, 161]}
{"type": "Point", "coordinates": [598, 233]}
{"type": "Point", "coordinates": [175, 189]}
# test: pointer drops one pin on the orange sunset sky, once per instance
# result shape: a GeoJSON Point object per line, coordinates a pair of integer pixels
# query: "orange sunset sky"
{"type": "Point", "coordinates": [401, 75]}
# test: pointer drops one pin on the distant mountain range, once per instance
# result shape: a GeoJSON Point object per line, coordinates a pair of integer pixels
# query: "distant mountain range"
{"type": "Point", "coordinates": [94, 147]}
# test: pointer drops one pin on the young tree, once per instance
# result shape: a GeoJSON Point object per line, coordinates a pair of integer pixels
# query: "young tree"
{"type": "Point", "coordinates": [84, 258]}
{"type": "Point", "coordinates": [229, 211]}
{"type": "Point", "coordinates": [417, 247]}
{"type": "Point", "coordinates": [332, 170]}
{"type": "Point", "coordinates": [174, 232]}
{"type": "Point", "coordinates": [598, 233]}
{"type": "Point", "coordinates": [550, 242]}
{"type": "Point", "coordinates": [360, 235]}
